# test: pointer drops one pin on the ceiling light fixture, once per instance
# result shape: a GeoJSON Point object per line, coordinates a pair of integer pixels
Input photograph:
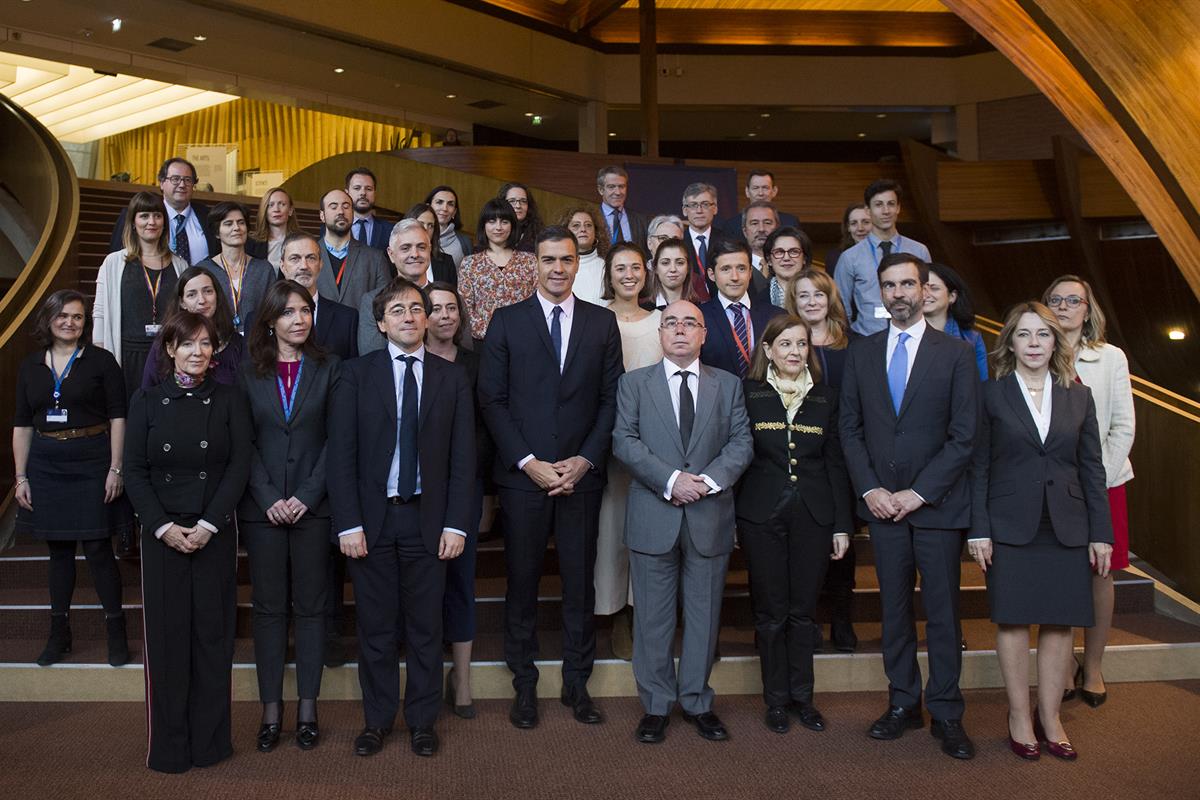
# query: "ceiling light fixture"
{"type": "Point", "coordinates": [199, 37]}
{"type": "Point", "coordinates": [611, 134]}
{"type": "Point", "coordinates": [339, 70]}
{"type": "Point", "coordinates": [880, 116]}
{"type": "Point", "coordinates": [451, 96]}
{"type": "Point", "coordinates": [116, 24]}
{"type": "Point", "coordinates": [765, 115]}
{"type": "Point", "coordinates": [529, 113]}
{"type": "Point", "coordinates": [752, 134]}
{"type": "Point", "coordinates": [862, 136]}
{"type": "Point", "coordinates": [1176, 334]}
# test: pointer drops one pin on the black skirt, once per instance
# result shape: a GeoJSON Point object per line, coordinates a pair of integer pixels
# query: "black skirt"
{"type": "Point", "coordinates": [66, 483]}
{"type": "Point", "coordinates": [1041, 583]}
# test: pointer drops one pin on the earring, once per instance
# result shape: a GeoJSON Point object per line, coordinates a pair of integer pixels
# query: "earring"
{"type": "Point", "coordinates": [270, 331]}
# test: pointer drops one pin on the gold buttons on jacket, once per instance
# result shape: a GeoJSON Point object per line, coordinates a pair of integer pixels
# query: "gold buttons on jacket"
{"type": "Point", "coordinates": [791, 445]}
{"type": "Point", "coordinates": [792, 461]}
{"type": "Point", "coordinates": [793, 478]}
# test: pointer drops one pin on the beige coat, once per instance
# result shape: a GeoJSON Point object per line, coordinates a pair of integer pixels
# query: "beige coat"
{"type": "Point", "coordinates": [1105, 370]}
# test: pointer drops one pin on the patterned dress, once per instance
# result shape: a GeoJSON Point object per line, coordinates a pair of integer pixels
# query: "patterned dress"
{"type": "Point", "coordinates": [484, 286]}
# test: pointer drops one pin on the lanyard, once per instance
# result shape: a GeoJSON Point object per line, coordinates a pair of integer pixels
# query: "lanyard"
{"type": "Point", "coordinates": [58, 379]}
{"type": "Point", "coordinates": [289, 399]}
{"type": "Point", "coordinates": [875, 256]}
{"type": "Point", "coordinates": [235, 287]}
{"type": "Point", "coordinates": [342, 271]}
{"type": "Point", "coordinates": [153, 290]}
{"type": "Point", "coordinates": [736, 339]}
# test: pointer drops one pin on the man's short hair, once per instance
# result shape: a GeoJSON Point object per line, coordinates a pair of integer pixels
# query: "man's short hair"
{"type": "Point", "coordinates": [299, 236]}
{"type": "Point", "coordinates": [555, 233]}
{"type": "Point", "coordinates": [166, 165]}
{"type": "Point", "coordinates": [396, 287]}
{"type": "Point", "coordinates": [895, 259]}
{"type": "Point", "coordinates": [759, 173]}
{"type": "Point", "coordinates": [698, 188]}
{"type": "Point", "coordinates": [761, 204]}
{"type": "Point", "coordinates": [879, 187]}
{"type": "Point", "coordinates": [361, 171]}
{"type": "Point", "coordinates": [726, 246]}
{"type": "Point", "coordinates": [404, 226]}
{"type": "Point", "coordinates": [329, 192]}
{"type": "Point", "coordinates": [611, 169]}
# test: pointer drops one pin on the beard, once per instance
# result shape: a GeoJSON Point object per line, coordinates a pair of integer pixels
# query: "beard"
{"type": "Point", "coordinates": [902, 310]}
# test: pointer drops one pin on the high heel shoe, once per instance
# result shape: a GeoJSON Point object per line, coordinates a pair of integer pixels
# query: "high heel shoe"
{"type": "Point", "coordinates": [463, 712]}
{"type": "Point", "coordinates": [1073, 692]}
{"type": "Point", "coordinates": [268, 737]}
{"type": "Point", "coordinates": [1062, 750]}
{"type": "Point", "coordinates": [308, 734]}
{"type": "Point", "coordinates": [1093, 699]}
{"type": "Point", "coordinates": [1029, 752]}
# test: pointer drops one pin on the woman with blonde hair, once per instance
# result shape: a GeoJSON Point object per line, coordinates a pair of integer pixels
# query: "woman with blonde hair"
{"type": "Point", "coordinates": [275, 221]}
{"type": "Point", "coordinates": [1104, 369]}
{"type": "Point", "coordinates": [1039, 517]}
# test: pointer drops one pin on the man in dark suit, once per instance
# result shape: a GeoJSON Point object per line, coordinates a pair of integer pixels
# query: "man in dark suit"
{"type": "Point", "coordinates": [177, 179]}
{"type": "Point", "coordinates": [335, 325]}
{"type": "Point", "coordinates": [409, 250]}
{"type": "Point", "coordinates": [366, 228]}
{"type": "Point", "coordinates": [350, 269]}
{"type": "Point", "coordinates": [548, 393]}
{"type": "Point", "coordinates": [612, 183]}
{"type": "Point", "coordinates": [734, 321]}
{"type": "Point", "coordinates": [700, 209]}
{"type": "Point", "coordinates": [910, 407]}
{"type": "Point", "coordinates": [760, 187]}
{"type": "Point", "coordinates": [401, 467]}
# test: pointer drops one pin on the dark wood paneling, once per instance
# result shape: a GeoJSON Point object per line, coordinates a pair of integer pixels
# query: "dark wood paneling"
{"type": "Point", "coordinates": [970, 191]}
{"type": "Point", "coordinates": [1102, 195]}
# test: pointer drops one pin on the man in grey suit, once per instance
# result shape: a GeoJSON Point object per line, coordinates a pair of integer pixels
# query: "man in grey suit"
{"type": "Point", "coordinates": [683, 433]}
{"type": "Point", "coordinates": [349, 269]}
{"type": "Point", "coordinates": [409, 250]}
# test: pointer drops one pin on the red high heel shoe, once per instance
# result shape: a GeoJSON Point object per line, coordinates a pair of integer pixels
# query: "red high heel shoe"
{"type": "Point", "coordinates": [1062, 750]}
{"type": "Point", "coordinates": [1028, 752]}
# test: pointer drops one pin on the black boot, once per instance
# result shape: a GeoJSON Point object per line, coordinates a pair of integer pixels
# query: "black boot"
{"type": "Point", "coordinates": [59, 643]}
{"type": "Point", "coordinates": [118, 644]}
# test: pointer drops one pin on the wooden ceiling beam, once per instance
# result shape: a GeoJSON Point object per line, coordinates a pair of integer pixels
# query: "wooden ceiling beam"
{"type": "Point", "coordinates": [585, 14]}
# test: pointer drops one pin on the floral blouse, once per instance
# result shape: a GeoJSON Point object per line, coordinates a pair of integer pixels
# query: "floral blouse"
{"type": "Point", "coordinates": [485, 287]}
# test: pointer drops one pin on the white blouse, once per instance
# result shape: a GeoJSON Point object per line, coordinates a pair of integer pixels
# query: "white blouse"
{"type": "Point", "coordinates": [1041, 417]}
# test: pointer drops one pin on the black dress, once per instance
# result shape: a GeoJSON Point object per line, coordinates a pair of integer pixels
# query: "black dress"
{"type": "Point", "coordinates": [136, 314]}
{"type": "Point", "coordinates": [66, 478]}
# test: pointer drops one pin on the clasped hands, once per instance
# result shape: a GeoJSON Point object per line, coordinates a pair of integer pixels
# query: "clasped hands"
{"type": "Point", "coordinates": [688, 488]}
{"type": "Point", "coordinates": [559, 478]}
{"type": "Point", "coordinates": [286, 512]}
{"type": "Point", "coordinates": [894, 506]}
{"type": "Point", "coordinates": [186, 540]}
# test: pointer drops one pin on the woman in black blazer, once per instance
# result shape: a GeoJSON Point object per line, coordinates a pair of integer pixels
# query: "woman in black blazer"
{"type": "Point", "coordinates": [793, 511]}
{"type": "Point", "coordinates": [284, 514]}
{"type": "Point", "coordinates": [1039, 516]}
{"type": "Point", "coordinates": [187, 459]}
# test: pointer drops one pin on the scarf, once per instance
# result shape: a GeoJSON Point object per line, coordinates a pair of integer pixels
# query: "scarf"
{"type": "Point", "coordinates": [450, 245]}
{"type": "Point", "coordinates": [185, 381]}
{"type": "Point", "coordinates": [792, 393]}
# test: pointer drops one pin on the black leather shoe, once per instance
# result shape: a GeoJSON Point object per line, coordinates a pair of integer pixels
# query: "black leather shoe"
{"type": "Point", "coordinates": [708, 725]}
{"type": "Point", "coordinates": [268, 737]}
{"type": "Point", "coordinates": [808, 715]}
{"type": "Point", "coordinates": [842, 634]}
{"type": "Point", "coordinates": [370, 741]}
{"type": "Point", "coordinates": [955, 742]}
{"type": "Point", "coordinates": [582, 707]}
{"type": "Point", "coordinates": [524, 712]}
{"type": "Point", "coordinates": [895, 721]}
{"type": "Point", "coordinates": [308, 735]}
{"type": "Point", "coordinates": [652, 729]}
{"type": "Point", "coordinates": [424, 741]}
{"type": "Point", "coordinates": [777, 719]}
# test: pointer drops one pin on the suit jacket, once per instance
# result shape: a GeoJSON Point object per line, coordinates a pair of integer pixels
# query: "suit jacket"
{"type": "Point", "coordinates": [720, 348]}
{"type": "Point", "coordinates": [700, 282]}
{"type": "Point", "coordinates": [117, 242]}
{"type": "Point", "coordinates": [638, 223]}
{"type": "Point", "coordinates": [646, 440]}
{"type": "Point", "coordinates": [187, 454]}
{"type": "Point", "coordinates": [366, 269]}
{"type": "Point", "coordinates": [258, 277]}
{"type": "Point", "coordinates": [363, 431]}
{"type": "Point", "coordinates": [808, 456]}
{"type": "Point", "coordinates": [530, 407]}
{"type": "Point", "coordinates": [337, 329]}
{"type": "Point", "coordinates": [289, 456]}
{"type": "Point", "coordinates": [1013, 473]}
{"type": "Point", "coordinates": [927, 446]}
{"type": "Point", "coordinates": [1105, 370]}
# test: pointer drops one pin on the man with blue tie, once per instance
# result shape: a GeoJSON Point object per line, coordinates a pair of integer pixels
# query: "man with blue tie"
{"type": "Point", "coordinates": [733, 319]}
{"type": "Point", "coordinates": [401, 477]}
{"type": "Point", "coordinates": [910, 405]}
{"type": "Point", "coordinates": [548, 393]}
{"type": "Point", "coordinates": [185, 219]}
{"type": "Point", "coordinates": [367, 229]}
{"type": "Point", "coordinates": [612, 184]}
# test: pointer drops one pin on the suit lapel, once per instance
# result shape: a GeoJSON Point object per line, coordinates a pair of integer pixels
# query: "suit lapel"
{"type": "Point", "coordinates": [534, 308]}
{"type": "Point", "coordinates": [326, 286]}
{"type": "Point", "coordinates": [660, 393]}
{"type": "Point", "coordinates": [577, 328]}
{"type": "Point", "coordinates": [706, 401]}
{"type": "Point", "coordinates": [1060, 409]}
{"type": "Point", "coordinates": [307, 376]}
{"type": "Point", "coordinates": [385, 386]}
{"type": "Point", "coordinates": [724, 329]}
{"type": "Point", "coordinates": [429, 388]}
{"type": "Point", "coordinates": [922, 360]}
{"type": "Point", "coordinates": [1016, 401]}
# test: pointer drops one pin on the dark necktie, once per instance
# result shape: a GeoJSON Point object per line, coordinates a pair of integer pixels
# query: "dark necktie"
{"type": "Point", "coordinates": [181, 247]}
{"type": "Point", "coordinates": [739, 330]}
{"type": "Point", "coordinates": [617, 235]}
{"type": "Point", "coordinates": [702, 254]}
{"type": "Point", "coordinates": [687, 409]}
{"type": "Point", "coordinates": [362, 231]}
{"type": "Point", "coordinates": [886, 247]}
{"type": "Point", "coordinates": [406, 440]}
{"type": "Point", "coordinates": [556, 335]}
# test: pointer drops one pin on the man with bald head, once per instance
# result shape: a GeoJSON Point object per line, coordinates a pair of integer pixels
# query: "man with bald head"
{"type": "Point", "coordinates": [410, 251]}
{"type": "Point", "coordinates": [349, 269]}
{"type": "Point", "coordinates": [683, 433]}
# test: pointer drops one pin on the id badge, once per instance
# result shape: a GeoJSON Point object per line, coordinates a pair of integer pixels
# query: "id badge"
{"type": "Point", "coordinates": [880, 313]}
{"type": "Point", "coordinates": [152, 330]}
{"type": "Point", "coordinates": [56, 415]}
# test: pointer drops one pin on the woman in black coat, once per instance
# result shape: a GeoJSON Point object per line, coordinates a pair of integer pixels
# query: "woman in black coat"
{"type": "Point", "coordinates": [1039, 517]}
{"type": "Point", "coordinates": [793, 511]}
{"type": "Point", "coordinates": [284, 514]}
{"type": "Point", "coordinates": [187, 460]}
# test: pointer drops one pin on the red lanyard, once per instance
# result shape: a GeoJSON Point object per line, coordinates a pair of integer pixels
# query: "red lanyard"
{"type": "Point", "coordinates": [153, 290]}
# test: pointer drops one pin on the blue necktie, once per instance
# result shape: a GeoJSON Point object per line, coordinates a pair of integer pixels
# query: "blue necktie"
{"type": "Point", "coordinates": [739, 329]}
{"type": "Point", "coordinates": [898, 372]}
{"type": "Point", "coordinates": [617, 235]}
{"type": "Point", "coordinates": [556, 335]}
{"type": "Point", "coordinates": [180, 246]}
{"type": "Point", "coordinates": [702, 254]}
{"type": "Point", "coordinates": [362, 231]}
{"type": "Point", "coordinates": [406, 440]}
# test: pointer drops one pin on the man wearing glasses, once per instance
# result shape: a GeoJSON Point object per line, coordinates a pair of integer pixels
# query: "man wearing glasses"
{"type": "Point", "coordinates": [683, 433]}
{"type": "Point", "coordinates": [700, 209]}
{"type": "Point", "coordinates": [185, 227]}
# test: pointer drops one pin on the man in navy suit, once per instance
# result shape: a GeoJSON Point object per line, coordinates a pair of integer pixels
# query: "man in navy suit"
{"type": "Point", "coordinates": [366, 228]}
{"type": "Point", "coordinates": [186, 221]}
{"type": "Point", "coordinates": [335, 325]}
{"type": "Point", "coordinates": [401, 469]}
{"type": "Point", "coordinates": [909, 411]}
{"type": "Point", "coordinates": [734, 320]}
{"type": "Point", "coordinates": [548, 393]}
{"type": "Point", "coordinates": [701, 236]}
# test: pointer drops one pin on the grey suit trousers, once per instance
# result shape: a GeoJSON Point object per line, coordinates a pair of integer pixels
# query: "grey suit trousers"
{"type": "Point", "coordinates": [658, 581]}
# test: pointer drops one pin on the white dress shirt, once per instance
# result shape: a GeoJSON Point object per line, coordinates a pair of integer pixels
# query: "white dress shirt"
{"type": "Point", "coordinates": [745, 301]}
{"type": "Point", "coordinates": [194, 228]}
{"type": "Point", "coordinates": [673, 383]}
{"type": "Point", "coordinates": [607, 210]}
{"type": "Point", "coordinates": [1041, 417]}
{"type": "Point", "coordinates": [915, 333]}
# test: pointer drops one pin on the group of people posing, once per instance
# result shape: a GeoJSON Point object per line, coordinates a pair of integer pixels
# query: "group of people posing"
{"type": "Point", "coordinates": [649, 394]}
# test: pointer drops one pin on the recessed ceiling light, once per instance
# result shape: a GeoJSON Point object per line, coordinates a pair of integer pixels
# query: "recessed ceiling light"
{"type": "Point", "coordinates": [765, 115]}
{"type": "Point", "coordinates": [451, 96]}
{"type": "Point", "coordinates": [529, 113]}
{"type": "Point", "coordinates": [116, 24]}
{"type": "Point", "coordinates": [611, 134]}
{"type": "Point", "coordinates": [200, 37]}
{"type": "Point", "coordinates": [1176, 334]}
{"type": "Point", "coordinates": [752, 134]}
{"type": "Point", "coordinates": [339, 70]}
{"type": "Point", "coordinates": [862, 136]}
{"type": "Point", "coordinates": [880, 116]}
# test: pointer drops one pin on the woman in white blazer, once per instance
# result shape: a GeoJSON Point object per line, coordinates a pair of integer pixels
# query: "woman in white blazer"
{"type": "Point", "coordinates": [135, 290]}
{"type": "Point", "coordinates": [1105, 370]}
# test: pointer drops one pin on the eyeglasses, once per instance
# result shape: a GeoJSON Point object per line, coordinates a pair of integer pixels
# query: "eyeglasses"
{"type": "Point", "coordinates": [701, 206]}
{"type": "Point", "coordinates": [176, 180]}
{"type": "Point", "coordinates": [401, 312]}
{"type": "Point", "coordinates": [516, 201]}
{"type": "Point", "coordinates": [1072, 300]}
{"type": "Point", "coordinates": [688, 325]}
{"type": "Point", "coordinates": [794, 252]}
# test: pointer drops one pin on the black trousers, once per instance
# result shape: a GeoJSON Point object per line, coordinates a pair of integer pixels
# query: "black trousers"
{"type": "Point", "coordinates": [102, 563]}
{"type": "Point", "coordinates": [189, 615]}
{"type": "Point", "coordinates": [900, 550]}
{"type": "Point", "coordinates": [283, 557]}
{"type": "Point", "coordinates": [399, 586]}
{"type": "Point", "coordinates": [787, 557]}
{"type": "Point", "coordinates": [529, 520]}
{"type": "Point", "coordinates": [335, 594]}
